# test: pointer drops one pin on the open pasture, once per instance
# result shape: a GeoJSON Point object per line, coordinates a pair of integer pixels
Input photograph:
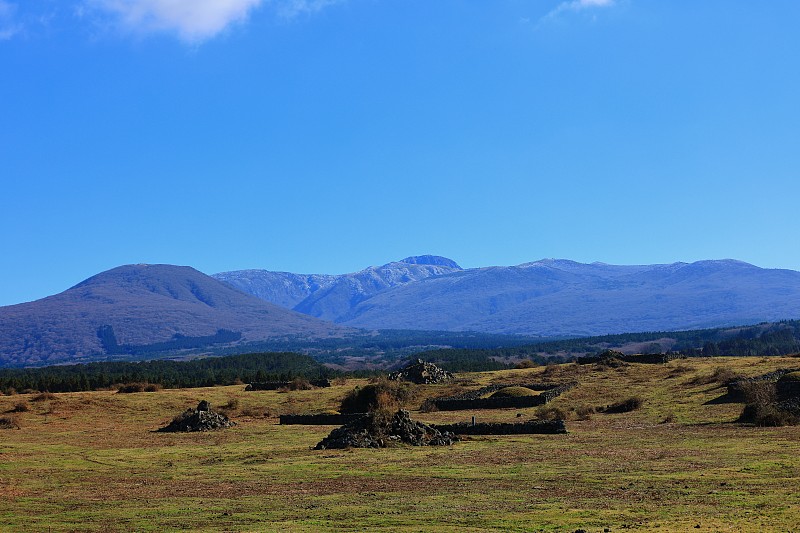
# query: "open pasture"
{"type": "Point", "coordinates": [91, 461]}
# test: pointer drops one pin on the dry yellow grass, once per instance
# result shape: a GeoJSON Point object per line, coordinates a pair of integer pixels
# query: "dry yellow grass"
{"type": "Point", "coordinates": [90, 462]}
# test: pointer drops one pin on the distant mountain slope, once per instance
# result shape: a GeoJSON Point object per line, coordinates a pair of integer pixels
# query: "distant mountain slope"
{"type": "Point", "coordinates": [333, 297]}
{"type": "Point", "coordinates": [559, 297]}
{"type": "Point", "coordinates": [140, 305]}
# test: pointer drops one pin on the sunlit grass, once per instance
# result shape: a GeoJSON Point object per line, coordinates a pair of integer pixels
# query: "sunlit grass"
{"type": "Point", "coordinates": [91, 461]}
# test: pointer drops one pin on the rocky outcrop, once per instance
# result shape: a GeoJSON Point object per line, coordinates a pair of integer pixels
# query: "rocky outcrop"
{"type": "Point", "coordinates": [421, 372]}
{"type": "Point", "coordinates": [376, 431]}
{"type": "Point", "coordinates": [202, 418]}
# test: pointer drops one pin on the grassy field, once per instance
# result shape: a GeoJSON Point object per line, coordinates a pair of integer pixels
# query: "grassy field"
{"type": "Point", "coordinates": [91, 462]}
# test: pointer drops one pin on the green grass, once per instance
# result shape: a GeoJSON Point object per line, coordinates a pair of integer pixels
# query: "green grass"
{"type": "Point", "coordinates": [90, 462]}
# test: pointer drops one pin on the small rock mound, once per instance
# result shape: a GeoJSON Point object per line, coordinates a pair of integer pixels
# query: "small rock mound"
{"type": "Point", "coordinates": [200, 419]}
{"type": "Point", "coordinates": [375, 431]}
{"type": "Point", "coordinates": [421, 372]}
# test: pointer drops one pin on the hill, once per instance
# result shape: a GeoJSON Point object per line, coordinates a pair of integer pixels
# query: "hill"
{"type": "Point", "coordinates": [562, 298]}
{"type": "Point", "coordinates": [137, 309]}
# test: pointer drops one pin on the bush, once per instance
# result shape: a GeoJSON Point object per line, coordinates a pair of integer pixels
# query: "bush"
{"type": "Point", "coordinates": [9, 422]}
{"type": "Point", "coordinates": [21, 407]}
{"type": "Point", "coordinates": [721, 375]}
{"type": "Point", "coordinates": [300, 384]}
{"type": "Point", "coordinates": [383, 394]}
{"type": "Point", "coordinates": [428, 406]}
{"type": "Point", "coordinates": [625, 406]}
{"type": "Point", "coordinates": [128, 388]}
{"type": "Point", "coordinates": [550, 413]}
{"type": "Point", "coordinates": [525, 363]}
{"type": "Point", "coordinates": [767, 415]}
{"type": "Point", "coordinates": [232, 405]}
{"type": "Point", "coordinates": [45, 396]}
{"type": "Point", "coordinates": [584, 412]}
{"type": "Point", "coordinates": [760, 392]}
{"type": "Point", "coordinates": [761, 409]}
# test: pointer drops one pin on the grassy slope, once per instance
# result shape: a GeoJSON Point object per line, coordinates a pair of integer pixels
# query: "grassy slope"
{"type": "Point", "coordinates": [88, 461]}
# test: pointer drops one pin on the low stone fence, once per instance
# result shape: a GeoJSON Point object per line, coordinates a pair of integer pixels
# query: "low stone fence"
{"type": "Point", "coordinates": [643, 358]}
{"type": "Point", "coordinates": [275, 385]}
{"type": "Point", "coordinates": [320, 419]}
{"type": "Point", "coordinates": [461, 403]}
{"type": "Point", "coordinates": [548, 427]}
{"type": "Point", "coordinates": [736, 388]}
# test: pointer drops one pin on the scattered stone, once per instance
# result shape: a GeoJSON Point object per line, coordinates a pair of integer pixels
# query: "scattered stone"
{"type": "Point", "coordinates": [200, 419]}
{"type": "Point", "coordinates": [375, 430]}
{"type": "Point", "coordinates": [422, 373]}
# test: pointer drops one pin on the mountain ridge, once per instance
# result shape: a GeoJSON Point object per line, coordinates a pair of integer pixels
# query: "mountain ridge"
{"type": "Point", "coordinates": [558, 297]}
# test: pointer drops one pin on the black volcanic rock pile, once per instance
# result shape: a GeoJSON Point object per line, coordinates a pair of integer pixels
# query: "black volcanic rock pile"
{"type": "Point", "coordinates": [421, 372]}
{"type": "Point", "coordinates": [201, 418]}
{"type": "Point", "coordinates": [376, 431]}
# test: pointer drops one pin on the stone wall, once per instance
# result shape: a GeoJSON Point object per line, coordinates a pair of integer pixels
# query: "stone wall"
{"type": "Point", "coordinates": [644, 358]}
{"type": "Point", "coordinates": [468, 401]}
{"type": "Point", "coordinates": [531, 427]}
{"type": "Point", "coordinates": [735, 388]}
{"type": "Point", "coordinates": [319, 420]}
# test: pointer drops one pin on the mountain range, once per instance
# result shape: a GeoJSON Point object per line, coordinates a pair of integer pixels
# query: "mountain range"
{"type": "Point", "coordinates": [141, 311]}
{"type": "Point", "coordinates": [550, 297]}
{"type": "Point", "coordinates": [141, 308]}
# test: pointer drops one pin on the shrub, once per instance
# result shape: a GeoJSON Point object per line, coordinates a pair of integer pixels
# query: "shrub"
{"type": "Point", "coordinates": [625, 406]}
{"type": "Point", "coordinates": [45, 396]}
{"type": "Point", "coordinates": [760, 408]}
{"type": "Point", "coordinates": [721, 375]}
{"type": "Point", "coordinates": [9, 422]}
{"type": "Point", "coordinates": [128, 388]}
{"type": "Point", "coordinates": [428, 406]}
{"type": "Point", "coordinates": [550, 413]}
{"type": "Point", "coordinates": [759, 392]}
{"type": "Point", "coordinates": [584, 412]}
{"type": "Point", "coordinates": [379, 395]}
{"type": "Point", "coordinates": [300, 384]}
{"type": "Point", "coordinates": [525, 363]}
{"type": "Point", "coordinates": [21, 407]}
{"type": "Point", "coordinates": [767, 415]}
{"type": "Point", "coordinates": [232, 405]}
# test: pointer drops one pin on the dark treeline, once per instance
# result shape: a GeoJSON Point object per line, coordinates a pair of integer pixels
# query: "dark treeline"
{"type": "Point", "coordinates": [768, 339]}
{"type": "Point", "coordinates": [465, 360]}
{"type": "Point", "coordinates": [170, 374]}
{"type": "Point", "coordinates": [783, 341]}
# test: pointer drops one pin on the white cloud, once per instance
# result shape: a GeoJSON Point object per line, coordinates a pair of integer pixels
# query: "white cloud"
{"type": "Point", "coordinates": [8, 25]}
{"type": "Point", "coordinates": [192, 20]}
{"type": "Point", "coordinates": [578, 5]}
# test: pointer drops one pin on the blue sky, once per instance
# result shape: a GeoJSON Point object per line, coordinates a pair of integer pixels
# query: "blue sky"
{"type": "Point", "coordinates": [326, 136]}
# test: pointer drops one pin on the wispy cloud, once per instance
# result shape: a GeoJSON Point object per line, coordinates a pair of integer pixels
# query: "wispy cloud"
{"type": "Point", "coordinates": [293, 8]}
{"type": "Point", "coordinates": [9, 27]}
{"type": "Point", "coordinates": [192, 20]}
{"type": "Point", "coordinates": [575, 6]}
